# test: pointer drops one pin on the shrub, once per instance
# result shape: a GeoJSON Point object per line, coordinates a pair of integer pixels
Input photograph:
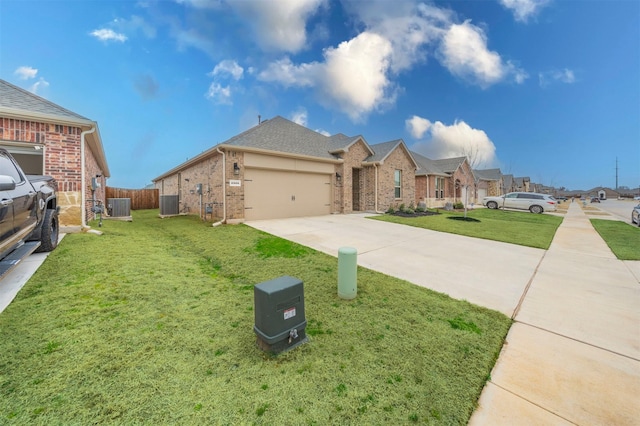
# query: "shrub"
{"type": "Point", "coordinates": [409, 211]}
{"type": "Point", "coordinates": [391, 210]}
{"type": "Point", "coordinates": [458, 206]}
{"type": "Point", "coordinates": [401, 208]}
{"type": "Point", "coordinates": [420, 209]}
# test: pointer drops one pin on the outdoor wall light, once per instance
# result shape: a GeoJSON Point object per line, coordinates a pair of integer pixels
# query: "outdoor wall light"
{"type": "Point", "coordinates": [338, 177]}
{"type": "Point", "coordinates": [236, 169]}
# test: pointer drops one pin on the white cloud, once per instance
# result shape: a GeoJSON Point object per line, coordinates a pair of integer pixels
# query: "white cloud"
{"type": "Point", "coordinates": [524, 9]}
{"type": "Point", "coordinates": [556, 76]}
{"type": "Point", "coordinates": [465, 53]}
{"type": "Point", "coordinates": [25, 73]}
{"type": "Point", "coordinates": [219, 94]}
{"type": "Point", "coordinates": [456, 140]}
{"type": "Point", "coordinates": [134, 24]}
{"type": "Point", "coordinates": [417, 126]}
{"type": "Point", "coordinates": [353, 76]}
{"type": "Point", "coordinates": [288, 74]}
{"type": "Point", "coordinates": [105, 34]}
{"type": "Point", "coordinates": [228, 67]}
{"type": "Point", "coordinates": [323, 132]}
{"type": "Point", "coordinates": [279, 25]}
{"type": "Point", "coordinates": [410, 28]}
{"type": "Point", "coordinates": [300, 117]}
{"type": "Point", "coordinates": [39, 86]}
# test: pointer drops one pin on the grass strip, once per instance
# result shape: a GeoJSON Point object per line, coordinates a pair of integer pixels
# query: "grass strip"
{"type": "Point", "coordinates": [622, 238]}
{"type": "Point", "coordinates": [522, 228]}
{"type": "Point", "coordinates": [152, 323]}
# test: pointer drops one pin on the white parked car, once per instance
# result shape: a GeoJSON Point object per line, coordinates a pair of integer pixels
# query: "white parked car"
{"type": "Point", "coordinates": [535, 203]}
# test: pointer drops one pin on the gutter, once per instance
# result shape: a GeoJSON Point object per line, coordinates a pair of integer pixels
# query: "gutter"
{"type": "Point", "coordinates": [83, 174]}
{"type": "Point", "coordinates": [224, 189]}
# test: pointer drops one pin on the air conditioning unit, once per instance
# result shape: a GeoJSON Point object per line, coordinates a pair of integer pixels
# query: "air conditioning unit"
{"type": "Point", "coordinates": [279, 314]}
{"type": "Point", "coordinates": [169, 205]}
{"type": "Point", "coordinates": [119, 207]}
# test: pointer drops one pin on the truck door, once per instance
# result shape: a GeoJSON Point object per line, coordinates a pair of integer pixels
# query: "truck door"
{"type": "Point", "coordinates": [21, 201]}
{"type": "Point", "coordinates": [7, 179]}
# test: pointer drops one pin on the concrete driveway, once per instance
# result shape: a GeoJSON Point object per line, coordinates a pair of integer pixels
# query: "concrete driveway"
{"type": "Point", "coordinates": [483, 272]}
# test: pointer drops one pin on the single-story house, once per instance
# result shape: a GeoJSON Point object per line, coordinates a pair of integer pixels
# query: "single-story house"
{"type": "Point", "coordinates": [48, 139]}
{"type": "Point", "coordinates": [441, 181]}
{"type": "Point", "coordinates": [280, 169]}
{"type": "Point", "coordinates": [488, 183]}
{"type": "Point", "coordinates": [522, 184]}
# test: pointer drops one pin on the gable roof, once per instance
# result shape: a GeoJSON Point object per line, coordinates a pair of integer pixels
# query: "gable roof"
{"type": "Point", "coordinates": [450, 165]}
{"type": "Point", "coordinates": [281, 135]}
{"type": "Point", "coordinates": [20, 104]}
{"type": "Point", "coordinates": [17, 99]}
{"type": "Point", "coordinates": [382, 150]}
{"type": "Point", "coordinates": [488, 174]}
{"type": "Point", "coordinates": [427, 166]}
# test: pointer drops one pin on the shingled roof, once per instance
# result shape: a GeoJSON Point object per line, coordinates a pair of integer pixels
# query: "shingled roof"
{"type": "Point", "coordinates": [16, 99]}
{"type": "Point", "coordinates": [427, 166]}
{"type": "Point", "coordinates": [488, 174]}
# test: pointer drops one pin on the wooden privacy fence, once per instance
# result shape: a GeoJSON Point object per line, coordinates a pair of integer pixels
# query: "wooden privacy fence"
{"type": "Point", "coordinates": [141, 199]}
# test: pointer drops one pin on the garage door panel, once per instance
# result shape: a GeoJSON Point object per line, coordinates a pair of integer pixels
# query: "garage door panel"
{"type": "Point", "coordinates": [271, 194]}
{"type": "Point", "coordinates": [312, 194]}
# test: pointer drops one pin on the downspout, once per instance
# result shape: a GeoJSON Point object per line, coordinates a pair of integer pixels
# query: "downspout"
{"type": "Point", "coordinates": [83, 175]}
{"type": "Point", "coordinates": [224, 189]}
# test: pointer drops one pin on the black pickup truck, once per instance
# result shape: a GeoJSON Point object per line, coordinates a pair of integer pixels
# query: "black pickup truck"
{"type": "Point", "coordinates": [28, 213]}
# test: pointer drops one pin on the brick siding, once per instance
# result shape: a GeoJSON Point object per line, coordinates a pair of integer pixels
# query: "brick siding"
{"type": "Point", "coordinates": [61, 161]}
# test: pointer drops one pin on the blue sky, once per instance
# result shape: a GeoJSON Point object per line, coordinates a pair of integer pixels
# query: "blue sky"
{"type": "Point", "coordinates": [546, 89]}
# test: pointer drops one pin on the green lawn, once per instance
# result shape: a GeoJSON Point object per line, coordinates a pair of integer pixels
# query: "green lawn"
{"type": "Point", "coordinates": [151, 323]}
{"type": "Point", "coordinates": [523, 228]}
{"type": "Point", "coordinates": [622, 239]}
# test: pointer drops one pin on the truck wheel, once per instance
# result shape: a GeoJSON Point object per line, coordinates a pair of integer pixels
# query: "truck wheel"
{"type": "Point", "coordinates": [49, 235]}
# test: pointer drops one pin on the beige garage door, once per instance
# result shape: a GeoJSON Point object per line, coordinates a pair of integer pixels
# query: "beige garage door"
{"type": "Point", "coordinates": [271, 194]}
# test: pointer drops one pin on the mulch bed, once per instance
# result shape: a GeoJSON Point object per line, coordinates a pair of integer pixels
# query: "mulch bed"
{"type": "Point", "coordinates": [416, 214]}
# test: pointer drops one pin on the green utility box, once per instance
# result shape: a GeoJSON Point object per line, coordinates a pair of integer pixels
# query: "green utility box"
{"type": "Point", "coordinates": [280, 321]}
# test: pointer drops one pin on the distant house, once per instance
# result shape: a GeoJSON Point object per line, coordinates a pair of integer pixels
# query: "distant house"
{"type": "Point", "coordinates": [441, 181]}
{"type": "Point", "coordinates": [280, 169]}
{"type": "Point", "coordinates": [522, 184]}
{"type": "Point", "coordinates": [489, 183]}
{"type": "Point", "coordinates": [508, 184]}
{"type": "Point", "coordinates": [46, 138]}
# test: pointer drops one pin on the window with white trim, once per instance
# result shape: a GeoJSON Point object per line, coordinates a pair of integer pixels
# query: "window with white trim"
{"type": "Point", "coordinates": [397, 181]}
{"type": "Point", "coordinates": [439, 187]}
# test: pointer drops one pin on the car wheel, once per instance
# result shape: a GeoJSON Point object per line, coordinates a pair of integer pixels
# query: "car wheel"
{"type": "Point", "coordinates": [49, 235]}
{"type": "Point", "coordinates": [536, 209]}
{"type": "Point", "coordinates": [492, 205]}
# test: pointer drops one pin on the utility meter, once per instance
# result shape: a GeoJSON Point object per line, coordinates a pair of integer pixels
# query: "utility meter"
{"type": "Point", "coordinates": [280, 321]}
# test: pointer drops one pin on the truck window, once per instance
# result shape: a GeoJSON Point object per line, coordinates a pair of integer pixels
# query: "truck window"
{"type": "Point", "coordinates": [8, 168]}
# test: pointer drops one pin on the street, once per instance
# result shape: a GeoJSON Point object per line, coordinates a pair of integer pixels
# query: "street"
{"type": "Point", "coordinates": [620, 209]}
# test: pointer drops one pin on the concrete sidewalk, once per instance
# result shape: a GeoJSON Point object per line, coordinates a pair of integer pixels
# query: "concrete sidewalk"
{"type": "Point", "coordinates": [573, 353]}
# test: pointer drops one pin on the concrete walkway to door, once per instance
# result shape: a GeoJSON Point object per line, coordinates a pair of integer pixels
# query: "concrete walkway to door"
{"type": "Point", "coordinates": [573, 353]}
